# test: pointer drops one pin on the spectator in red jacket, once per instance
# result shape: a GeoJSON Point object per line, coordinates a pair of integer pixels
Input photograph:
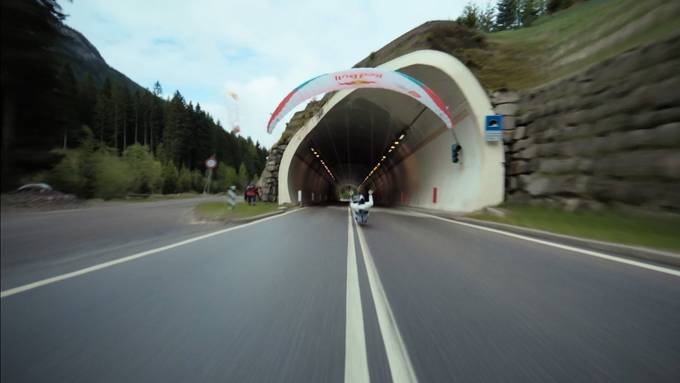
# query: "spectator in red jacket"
{"type": "Point", "coordinates": [251, 194]}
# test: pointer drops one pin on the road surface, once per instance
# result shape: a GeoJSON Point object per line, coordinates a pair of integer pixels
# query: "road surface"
{"type": "Point", "coordinates": [307, 297]}
{"type": "Point", "coordinates": [39, 244]}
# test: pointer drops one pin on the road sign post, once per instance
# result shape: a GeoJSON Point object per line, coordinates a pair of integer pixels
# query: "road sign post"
{"type": "Point", "coordinates": [210, 164]}
{"type": "Point", "coordinates": [231, 197]}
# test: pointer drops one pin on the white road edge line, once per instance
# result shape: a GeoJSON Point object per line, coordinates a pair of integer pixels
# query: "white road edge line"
{"type": "Point", "coordinates": [397, 354]}
{"type": "Point", "coordinates": [563, 247]}
{"type": "Point", "coordinates": [47, 281]}
{"type": "Point", "coordinates": [356, 361]}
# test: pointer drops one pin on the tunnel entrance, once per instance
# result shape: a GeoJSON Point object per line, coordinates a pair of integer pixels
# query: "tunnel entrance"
{"type": "Point", "coordinates": [385, 141]}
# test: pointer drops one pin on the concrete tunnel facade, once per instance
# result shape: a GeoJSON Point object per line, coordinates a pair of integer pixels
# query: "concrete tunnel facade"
{"type": "Point", "coordinates": [356, 128]}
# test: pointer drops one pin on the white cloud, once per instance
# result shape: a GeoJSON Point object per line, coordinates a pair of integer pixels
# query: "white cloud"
{"type": "Point", "coordinates": [260, 49]}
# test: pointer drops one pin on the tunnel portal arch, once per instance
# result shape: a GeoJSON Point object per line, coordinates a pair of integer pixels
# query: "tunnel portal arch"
{"type": "Point", "coordinates": [356, 128]}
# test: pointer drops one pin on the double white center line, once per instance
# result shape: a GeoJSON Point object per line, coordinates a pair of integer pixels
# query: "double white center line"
{"type": "Point", "coordinates": [356, 364]}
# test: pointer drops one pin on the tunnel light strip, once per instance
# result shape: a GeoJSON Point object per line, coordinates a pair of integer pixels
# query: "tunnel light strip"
{"type": "Point", "coordinates": [392, 147]}
{"type": "Point", "coordinates": [323, 163]}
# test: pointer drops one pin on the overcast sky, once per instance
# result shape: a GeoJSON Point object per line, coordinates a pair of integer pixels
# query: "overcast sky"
{"type": "Point", "coordinates": [258, 49]}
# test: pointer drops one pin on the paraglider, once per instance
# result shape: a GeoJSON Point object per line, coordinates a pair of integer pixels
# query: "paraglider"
{"type": "Point", "coordinates": [362, 78]}
{"type": "Point", "coordinates": [232, 111]}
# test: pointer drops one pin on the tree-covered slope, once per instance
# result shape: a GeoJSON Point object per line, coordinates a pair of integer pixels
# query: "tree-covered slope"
{"type": "Point", "coordinates": [57, 91]}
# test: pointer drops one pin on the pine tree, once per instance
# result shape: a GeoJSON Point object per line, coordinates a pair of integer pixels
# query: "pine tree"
{"type": "Point", "coordinates": [66, 101]}
{"type": "Point", "coordinates": [87, 100]}
{"type": "Point", "coordinates": [507, 16]}
{"type": "Point", "coordinates": [156, 121]}
{"type": "Point", "coordinates": [486, 18]}
{"type": "Point", "coordinates": [470, 16]}
{"type": "Point", "coordinates": [157, 89]}
{"type": "Point", "coordinates": [30, 66]}
{"type": "Point", "coordinates": [122, 114]}
{"type": "Point", "coordinates": [136, 106]}
{"type": "Point", "coordinates": [529, 12]}
{"type": "Point", "coordinates": [102, 119]}
{"type": "Point", "coordinates": [177, 130]}
{"type": "Point", "coordinates": [243, 177]}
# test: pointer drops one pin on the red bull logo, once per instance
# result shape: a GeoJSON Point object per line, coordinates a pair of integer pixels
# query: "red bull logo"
{"type": "Point", "coordinates": [356, 82]}
{"type": "Point", "coordinates": [357, 76]}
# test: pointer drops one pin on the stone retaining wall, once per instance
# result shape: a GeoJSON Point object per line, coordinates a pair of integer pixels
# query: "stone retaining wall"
{"type": "Point", "coordinates": [268, 184]}
{"type": "Point", "coordinates": [608, 135]}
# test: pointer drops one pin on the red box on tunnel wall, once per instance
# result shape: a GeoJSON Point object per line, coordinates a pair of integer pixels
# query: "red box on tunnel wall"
{"type": "Point", "coordinates": [434, 195]}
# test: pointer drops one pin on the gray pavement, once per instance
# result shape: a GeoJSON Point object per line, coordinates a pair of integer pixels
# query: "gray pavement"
{"type": "Point", "coordinates": [37, 245]}
{"type": "Point", "coordinates": [267, 302]}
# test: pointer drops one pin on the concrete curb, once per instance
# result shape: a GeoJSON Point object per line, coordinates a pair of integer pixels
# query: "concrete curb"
{"type": "Point", "coordinates": [626, 251]}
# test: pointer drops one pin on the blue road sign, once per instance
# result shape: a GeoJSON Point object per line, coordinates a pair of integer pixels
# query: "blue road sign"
{"type": "Point", "coordinates": [494, 128]}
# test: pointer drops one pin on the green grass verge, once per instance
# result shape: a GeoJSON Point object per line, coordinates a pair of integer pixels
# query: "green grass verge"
{"type": "Point", "coordinates": [653, 231]}
{"type": "Point", "coordinates": [148, 197]}
{"type": "Point", "coordinates": [157, 197]}
{"type": "Point", "coordinates": [219, 211]}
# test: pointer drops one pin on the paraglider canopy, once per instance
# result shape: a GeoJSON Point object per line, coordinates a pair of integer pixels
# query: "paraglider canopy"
{"type": "Point", "coordinates": [232, 111]}
{"type": "Point", "coordinates": [362, 78]}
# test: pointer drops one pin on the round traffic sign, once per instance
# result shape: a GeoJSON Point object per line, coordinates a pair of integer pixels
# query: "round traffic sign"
{"type": "Point", "coordinates": [211, 163]}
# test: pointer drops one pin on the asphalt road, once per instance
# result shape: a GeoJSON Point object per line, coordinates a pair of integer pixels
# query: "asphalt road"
{"type": "Point", "coordinates": [304, 297]}
{"type": "Point", "coordinates": [36, 245]}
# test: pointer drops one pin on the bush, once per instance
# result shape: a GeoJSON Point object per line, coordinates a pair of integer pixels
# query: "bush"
{"type": "Point", "coordinates": [197, 180]}
{"type": "Point", "coordinates": [169, 174]}
{"type": "Point", "coordinates": [226, 176]}
{"type": "Point", "coordinates": [184, 180]}
{"type": "Point", "coordinates": [146, 171]}
{"type": "Point", "coordinates": [112, 176]}
{"type": "Point", "coordinates": [68, 175]}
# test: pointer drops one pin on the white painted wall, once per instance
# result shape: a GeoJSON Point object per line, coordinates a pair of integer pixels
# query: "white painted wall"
{"type": "Point", "coordinates": [314, 186]}
{"type": "Point", "coordinates": [460, 187]}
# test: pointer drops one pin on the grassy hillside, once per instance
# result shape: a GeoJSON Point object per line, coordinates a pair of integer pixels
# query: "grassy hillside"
{"type": "Point", "coordinates": [574, 39]}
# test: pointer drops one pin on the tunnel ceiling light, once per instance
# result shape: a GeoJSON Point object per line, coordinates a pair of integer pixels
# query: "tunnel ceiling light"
{"type": "Point", "coordinates": [323, 163]}
{"type": "Point", "coordinates": [391, 148]}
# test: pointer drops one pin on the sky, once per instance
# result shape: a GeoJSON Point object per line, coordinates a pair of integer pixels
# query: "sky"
{"type": "Point", "coordinates": [258, 49]}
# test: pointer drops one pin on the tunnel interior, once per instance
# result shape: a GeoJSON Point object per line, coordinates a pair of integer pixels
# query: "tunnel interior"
{"type": "Point", "coordinates": [390, 143]}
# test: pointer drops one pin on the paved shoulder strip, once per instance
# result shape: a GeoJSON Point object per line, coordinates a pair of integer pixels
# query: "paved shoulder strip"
{"type": "Point", "coordinates": [129, 258]}
{"type": "Point", "coordinates": [356, 362]}
{"type": "Point", "coordinates": [397, 354]}
{"type": "Point", "coordinates": [578, 250]}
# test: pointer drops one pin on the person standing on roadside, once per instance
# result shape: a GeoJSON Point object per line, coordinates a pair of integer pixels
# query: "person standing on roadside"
{"type": "Point", "coordinates": [251, 194]}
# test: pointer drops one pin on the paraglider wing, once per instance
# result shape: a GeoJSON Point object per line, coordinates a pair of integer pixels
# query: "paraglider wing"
{"type": "Point", "coordinates": [362, 78]}
{"type": "Point", "coordinates": [232, 110]}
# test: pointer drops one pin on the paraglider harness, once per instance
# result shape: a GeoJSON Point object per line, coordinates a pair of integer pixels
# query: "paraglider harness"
{"type": "Point", "coordinates": [360, 208]}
